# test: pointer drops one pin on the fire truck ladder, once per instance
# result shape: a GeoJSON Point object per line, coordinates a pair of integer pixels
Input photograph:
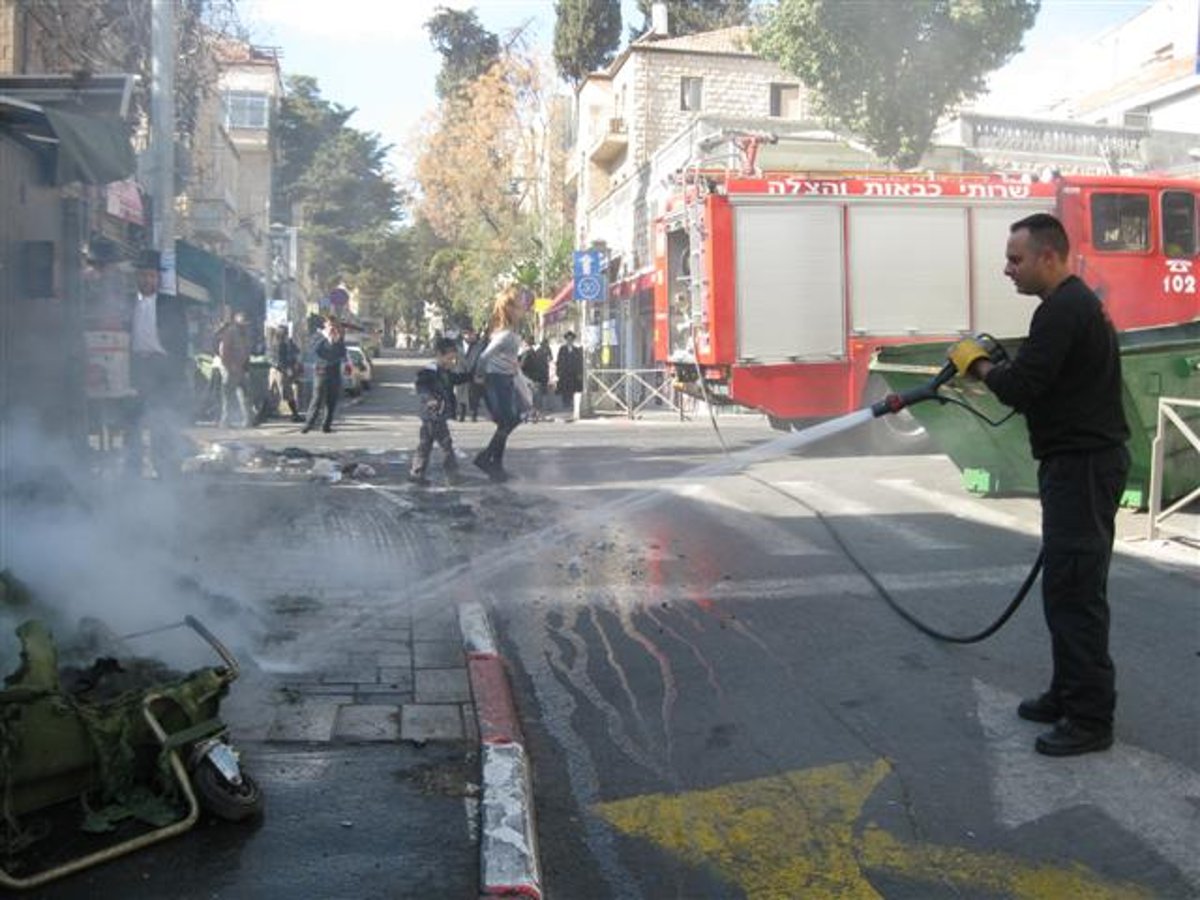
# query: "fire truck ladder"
{"type": "Point", "coordinates": [745, 145]}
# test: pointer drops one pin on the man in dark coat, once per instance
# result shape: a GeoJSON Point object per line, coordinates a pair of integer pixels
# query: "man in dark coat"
{"type": "Point", "coordinates": [158, 362]}
{"type": "Point", "coordinates": [1066, 380]}
{"type": "Point", "coordinates": [569, 369]}
{"type": "Point", "coordinates": [330, 352]}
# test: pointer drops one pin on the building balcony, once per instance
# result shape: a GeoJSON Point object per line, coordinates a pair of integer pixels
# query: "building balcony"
{"type": "Point", "coordinates": [211, 220]}
{"type": "Point", "coordinates": [611, 144]}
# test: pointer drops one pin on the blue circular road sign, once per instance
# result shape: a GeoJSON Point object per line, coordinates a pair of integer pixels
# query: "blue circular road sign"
{"type": "Point", "coordinates": [589, 287]}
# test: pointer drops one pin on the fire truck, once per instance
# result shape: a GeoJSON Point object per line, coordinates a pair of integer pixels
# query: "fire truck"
{"type": "Point", "coordinates": [777, 289]}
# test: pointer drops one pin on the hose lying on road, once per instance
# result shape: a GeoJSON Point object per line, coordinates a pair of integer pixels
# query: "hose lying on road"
{"type": "Point", "coordinates": [883, 592]}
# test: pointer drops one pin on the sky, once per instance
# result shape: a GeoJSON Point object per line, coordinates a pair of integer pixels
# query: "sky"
{"type": "Point", "coordinates": [374, 55]}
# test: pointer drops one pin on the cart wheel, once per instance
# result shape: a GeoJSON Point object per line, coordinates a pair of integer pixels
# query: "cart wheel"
{"type": "Point", "coordinates": [233, 803]}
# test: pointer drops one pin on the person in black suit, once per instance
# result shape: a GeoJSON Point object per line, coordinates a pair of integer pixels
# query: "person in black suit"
{"type": "Point", "coordinates": [330, 351]}
{"type": "Point", "coordinates": [158, 363]}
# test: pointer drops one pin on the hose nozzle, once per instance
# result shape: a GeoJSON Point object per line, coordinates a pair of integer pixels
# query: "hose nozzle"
{"type": "Point", "coordinates": [895, 402]}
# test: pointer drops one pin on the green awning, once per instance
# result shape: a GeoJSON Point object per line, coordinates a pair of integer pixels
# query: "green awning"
{"type": "Point", "coordinates": [196, 265]}
{"type": "Point", "coordinates": [91, 148]}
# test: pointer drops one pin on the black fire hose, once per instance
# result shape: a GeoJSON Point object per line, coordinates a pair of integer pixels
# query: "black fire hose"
{"type": "Point", "coordinates": [891, 404]}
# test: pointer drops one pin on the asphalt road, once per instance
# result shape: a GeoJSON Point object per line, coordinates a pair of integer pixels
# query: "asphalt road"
{"type": "Point", "coordinates": [718, 704]}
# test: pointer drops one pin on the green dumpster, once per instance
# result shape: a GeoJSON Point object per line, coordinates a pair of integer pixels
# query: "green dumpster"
{"type": "Point", "coordinates": [207, 389]}
{"type": "Point", "coordinates": [1155, 362]}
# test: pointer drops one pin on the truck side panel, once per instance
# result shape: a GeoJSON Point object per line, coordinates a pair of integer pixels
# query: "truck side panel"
{"type": "Point", "coordinates": [998, 308]}
{"type": "Point", "coordinates": [908, 268]}
{"type": "Point", "coordinates": [790, 284]}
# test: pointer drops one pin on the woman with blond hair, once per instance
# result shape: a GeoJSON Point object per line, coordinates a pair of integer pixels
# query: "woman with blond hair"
{"type": "Point", "coordinates": [497, 368]}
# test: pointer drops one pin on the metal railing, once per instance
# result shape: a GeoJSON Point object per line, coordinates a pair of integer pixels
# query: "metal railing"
{"type": "Point", "coordinates": [631, 392]}
{"type": "Point", "coordinates": [1167, 413]}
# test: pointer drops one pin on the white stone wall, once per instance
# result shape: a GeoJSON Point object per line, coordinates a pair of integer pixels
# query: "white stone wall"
{"type": "Point", "coordinates": [733, 86]}
{"type": "Point", "coordinates": [1180, 113]}
{"type": "Point", "coordinates": [645, 93]}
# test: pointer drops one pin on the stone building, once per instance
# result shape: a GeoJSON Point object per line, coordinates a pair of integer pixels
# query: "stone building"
{"type": "Point", "coordinates": [1133, 105]}
{"type": "Point", "coordinates": [636, 122]}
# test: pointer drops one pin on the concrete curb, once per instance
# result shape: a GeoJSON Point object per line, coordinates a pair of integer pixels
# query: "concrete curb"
{"type": "Point", "coordinates": [508, 859]}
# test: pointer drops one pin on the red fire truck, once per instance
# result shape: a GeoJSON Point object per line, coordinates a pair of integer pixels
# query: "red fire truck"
{"type": "Point", "coordinates": [777, 289]}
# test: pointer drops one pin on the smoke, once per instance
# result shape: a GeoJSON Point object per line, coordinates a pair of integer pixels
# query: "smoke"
{"type": "Point", "coordinates": [91, 542]}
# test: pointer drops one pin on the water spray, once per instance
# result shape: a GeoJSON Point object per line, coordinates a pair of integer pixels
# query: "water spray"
{"type": "Point", "coordinates": [894, 403]}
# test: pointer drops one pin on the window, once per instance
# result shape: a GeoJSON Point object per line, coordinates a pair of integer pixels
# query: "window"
{"type": "Point", "coordinates": [1121, 222]}
{"type": "Point", "coordinates": [785, 101]}
{"type": "Point", "coordinates": [1137, 118]}
{"type": "Point", "coordinates": [246, 109]}
{"type": "Point", "coordinates": [691, 93]}
{"type": "Point", "coordinates": [1179, 224]}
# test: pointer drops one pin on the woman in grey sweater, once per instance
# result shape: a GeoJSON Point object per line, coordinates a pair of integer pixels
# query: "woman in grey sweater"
{"type": "Point", "coordinates": [497, 368]}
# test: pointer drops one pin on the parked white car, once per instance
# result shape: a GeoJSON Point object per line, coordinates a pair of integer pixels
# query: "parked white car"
{"type": "Point", "coordinates": [360, 362]}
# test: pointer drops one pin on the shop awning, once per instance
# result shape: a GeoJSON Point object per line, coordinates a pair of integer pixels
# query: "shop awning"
{"type": "Point", "coordinates": [560, 304]}
{"type": "Point", "coordinates": [91, 148]}
{"type": "Point", "coordinates": [199, 274]}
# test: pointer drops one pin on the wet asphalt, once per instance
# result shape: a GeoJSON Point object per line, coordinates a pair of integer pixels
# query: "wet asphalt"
{"type": "Point", "coordinates": [716, 703]}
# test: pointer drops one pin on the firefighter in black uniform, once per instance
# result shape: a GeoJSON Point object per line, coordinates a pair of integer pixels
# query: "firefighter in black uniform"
{"type": "Point", "coordinates": [1066, 380]}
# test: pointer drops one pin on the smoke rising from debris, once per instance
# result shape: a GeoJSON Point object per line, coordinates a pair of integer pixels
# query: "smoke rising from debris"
{"type": "Point", "coordinates": [100, 546]}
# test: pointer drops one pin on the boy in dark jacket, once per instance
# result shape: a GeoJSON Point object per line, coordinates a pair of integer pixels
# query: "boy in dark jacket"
{"type": "Point", "coordinates": [435, 391]}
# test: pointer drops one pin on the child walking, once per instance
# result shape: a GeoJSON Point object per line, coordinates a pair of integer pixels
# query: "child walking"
{"type": "Point", "coordinates": [435, 391]}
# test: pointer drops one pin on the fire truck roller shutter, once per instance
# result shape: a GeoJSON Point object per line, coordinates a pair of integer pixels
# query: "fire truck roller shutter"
{"type": "Point", "coordinates": [909, 269]}
{"type": "Point", "coordinates": [789, 282]}
{"type": "Point", "coordinates": [999, 309]}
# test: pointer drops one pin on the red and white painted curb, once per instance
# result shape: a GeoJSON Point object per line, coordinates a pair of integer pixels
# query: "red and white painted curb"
{"type": "Point", "coordinates": [508, 859]}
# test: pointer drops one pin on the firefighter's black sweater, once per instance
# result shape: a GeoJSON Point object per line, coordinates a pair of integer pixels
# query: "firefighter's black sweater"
{"type": "Point", "coordinates": [1066, 377]}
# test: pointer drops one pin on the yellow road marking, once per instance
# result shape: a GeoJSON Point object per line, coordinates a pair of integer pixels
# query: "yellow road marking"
{"type": "Point", "coordinates": [798, 835]}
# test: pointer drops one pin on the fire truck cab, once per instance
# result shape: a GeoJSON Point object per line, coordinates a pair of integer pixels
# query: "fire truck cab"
{"type": "Point", "coordinates": [777, 290]}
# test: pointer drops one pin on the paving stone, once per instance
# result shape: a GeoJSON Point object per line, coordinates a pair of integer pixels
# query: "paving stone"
{"type": "Point", "coordinates": [431, 722]}
{"type": "Point", "coordinates": [329, 691]}
{"type": "Point", "coordinates": [392, 698]}
{"type": "Point", "coordinates": [470, 726]}
{"type": "Point", "coordinates": [404, 685]}
{"type": "Point", "coordinates": [374, 645]}
{"type": "Point", "coordinates": [374, 722]}
{"type": "Point", "coordinates": [364, 673]}
{"type": "Point", "coordinates": [308, 720]}
{"type": "Point", "coordinates": [437, 654]}
{"type": "Point", "coordinates": [442, 686]}
{"type": "Point", "coordinates": [401, 679]}
{"type": "Point", "coordinates": [439, 627]}
{"type": "Point", "coordinates": [395, 659]}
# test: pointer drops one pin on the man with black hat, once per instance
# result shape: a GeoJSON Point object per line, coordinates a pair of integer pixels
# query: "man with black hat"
{"type": "Point", "coordinates": [569, 369]}
{"type": "Point", "coordinates": [158, 350]}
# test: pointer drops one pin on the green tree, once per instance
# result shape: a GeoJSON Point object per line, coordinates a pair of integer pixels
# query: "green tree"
{"type": "Point", "coordinates": [586, 35]}
{"type": "Point", "coordinates": [887, 71]}
{"type": "Point", "coordinates": [305, 123]}
{"type": "Point", "coordinates": [466, 47]}
{"type": "Point", "coordinates": [692, 16]}
{"type": "Point", "coordinates": [347, 201]}
{"type": "Point", "coordinates": [335, 176]}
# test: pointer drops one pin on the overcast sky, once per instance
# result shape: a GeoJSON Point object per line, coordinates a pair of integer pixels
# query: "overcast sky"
{"type": "Point", "coordinates": [374, 55]}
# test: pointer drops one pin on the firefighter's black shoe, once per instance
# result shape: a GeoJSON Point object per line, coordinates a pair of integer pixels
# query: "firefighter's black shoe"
{"type": "Point", "coordinates": [1046, 709]}
{"type": "Point", "coordinates": [418, 480]}
{"type": "Point", "coordinates": [1070, 738]}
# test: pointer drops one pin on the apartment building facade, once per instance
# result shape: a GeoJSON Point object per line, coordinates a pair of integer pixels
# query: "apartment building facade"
{"type": "Point", "coordinates": [665, 102]}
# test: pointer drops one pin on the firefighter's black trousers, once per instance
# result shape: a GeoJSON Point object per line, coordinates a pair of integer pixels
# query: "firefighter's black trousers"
{"type": "Point", "coordinates": [1080, 493]}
